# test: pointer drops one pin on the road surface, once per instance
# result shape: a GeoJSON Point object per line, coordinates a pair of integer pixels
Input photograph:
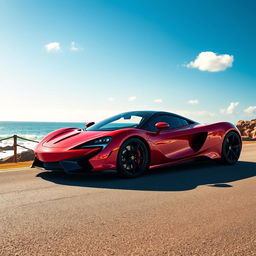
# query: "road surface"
{"type": "Point", "coordinates": [191, 209]}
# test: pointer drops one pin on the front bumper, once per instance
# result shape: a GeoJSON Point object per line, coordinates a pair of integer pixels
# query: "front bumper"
{"type": "Point", "coordinates": [73, 161]}
{"type": "Point", "coordinates": [75, 165]}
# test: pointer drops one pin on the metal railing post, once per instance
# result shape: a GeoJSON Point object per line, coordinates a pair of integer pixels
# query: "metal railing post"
{"type": "Point", "coordinates": [15, 148]}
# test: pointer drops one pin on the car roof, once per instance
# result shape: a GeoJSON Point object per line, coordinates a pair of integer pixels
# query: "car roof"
{"type": "Point", "coordinates": [152, 113]}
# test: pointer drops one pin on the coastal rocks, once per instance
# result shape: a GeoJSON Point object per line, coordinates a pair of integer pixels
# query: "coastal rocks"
{"type": "Point", "coordinates": [8, 159]}
{"type": "Point", "coordinates": [21, 157]}
{"type": "Point", "coordinates": [27, 156]}
{"type": "Point", "coordinates": [247, 129]}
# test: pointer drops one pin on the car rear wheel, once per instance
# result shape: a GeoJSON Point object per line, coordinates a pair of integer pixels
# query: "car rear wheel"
{"type": "Point", "coordinates": [133, 158]}
{"type": "Point", "coordinates": [231, 148]}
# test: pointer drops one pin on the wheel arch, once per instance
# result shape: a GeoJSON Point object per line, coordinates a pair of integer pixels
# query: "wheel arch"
{"type": "Point", "coordinates": [235, 131]}
{"type": "Point", "coordinates": [143, 140]}
{"type": "Point", "coordinates": [225, 133]}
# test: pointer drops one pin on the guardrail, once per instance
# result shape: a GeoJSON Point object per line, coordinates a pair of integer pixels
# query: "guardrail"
{"type": "Point", "coordinates": [15, 145]}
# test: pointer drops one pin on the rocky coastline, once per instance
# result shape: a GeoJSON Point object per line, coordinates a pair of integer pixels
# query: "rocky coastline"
{"type": "Point", "coordinates": [247, 129]}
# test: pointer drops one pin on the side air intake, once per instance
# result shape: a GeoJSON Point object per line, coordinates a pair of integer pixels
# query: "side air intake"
{"type": "Point", "coordinates": [198, 141]}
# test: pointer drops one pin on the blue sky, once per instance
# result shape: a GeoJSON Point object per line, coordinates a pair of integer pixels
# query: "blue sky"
{"type": "Point", "coordinates": [127, 55]}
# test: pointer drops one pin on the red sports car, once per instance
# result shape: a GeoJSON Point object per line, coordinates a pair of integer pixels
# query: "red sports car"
{"type": "Point", "coordinates": [134, 141]}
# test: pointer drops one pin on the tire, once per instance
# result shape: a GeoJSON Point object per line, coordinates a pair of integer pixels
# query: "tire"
{"type": "Point", "coordinates": [231, 148]}
{"type": "Point", "coordinates": [133, 158]}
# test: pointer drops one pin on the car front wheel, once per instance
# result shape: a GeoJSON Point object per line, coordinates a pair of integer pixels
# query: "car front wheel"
{"type": "Point", "coordinates": [133, 158]}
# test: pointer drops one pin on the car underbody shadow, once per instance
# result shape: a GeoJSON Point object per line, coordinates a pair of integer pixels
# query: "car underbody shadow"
{"type": "Point", "coordinates": [173, 178]}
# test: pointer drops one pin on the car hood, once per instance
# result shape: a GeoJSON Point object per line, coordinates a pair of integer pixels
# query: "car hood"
{"type": "Point", "coordinates": [71, 138]}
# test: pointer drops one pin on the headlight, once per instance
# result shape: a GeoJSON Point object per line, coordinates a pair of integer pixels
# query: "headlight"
{"type": "Point", "coordinates": [100, 142]}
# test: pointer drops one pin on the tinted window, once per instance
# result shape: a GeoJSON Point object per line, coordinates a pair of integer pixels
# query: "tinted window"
{"type": "Point", "coordinates": [173, 121]}
{"type": "Point", "coordinates": [125, 120]}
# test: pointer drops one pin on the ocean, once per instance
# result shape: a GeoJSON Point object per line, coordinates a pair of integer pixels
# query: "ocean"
{"type": "Point", "coordinates": [30, 130]}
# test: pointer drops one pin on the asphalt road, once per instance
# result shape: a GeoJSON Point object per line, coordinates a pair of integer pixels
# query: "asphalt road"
{"type": "Point", "coordinates": [191, 209]}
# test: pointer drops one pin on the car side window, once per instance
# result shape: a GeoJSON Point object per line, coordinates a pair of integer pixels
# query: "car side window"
{"type": "Point", "coordinates": [173, 121]}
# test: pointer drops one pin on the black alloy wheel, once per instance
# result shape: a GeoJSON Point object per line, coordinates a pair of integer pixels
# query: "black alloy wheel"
{"type": "Point", "coordinates": [231, 148]}
{"type": "Point", "coordinates": [133, 158]}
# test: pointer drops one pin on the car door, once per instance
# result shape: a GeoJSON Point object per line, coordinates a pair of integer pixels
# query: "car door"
{"type": "Point", "coordinates": [173, 142]}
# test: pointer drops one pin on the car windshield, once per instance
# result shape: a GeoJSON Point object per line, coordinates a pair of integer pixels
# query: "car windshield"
{"type": "Point", "coordinates": [121, 121]}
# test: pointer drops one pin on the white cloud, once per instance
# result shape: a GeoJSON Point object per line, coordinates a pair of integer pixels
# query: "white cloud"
{"type": "Point", "coordinates": [52, 47]}
{"type": "Point", "coordinates": [158, 100]}
{"type": "Point", "coordinates": [132, 98]}
{"type": "Point", "coordinates": [251, 110]}
{"type": "Point", "coordinates": [210, 61]}
{"type": "Point", "coordinates": [193, 102]}
{"type": "Point", "coordinates": [74, 47]}
{"type": "Point", "coordinates": [230, 109]}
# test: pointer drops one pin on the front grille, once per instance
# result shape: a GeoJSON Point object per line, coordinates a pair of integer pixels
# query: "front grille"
{"type": "Point", "coordinates": [52, 166]}
{"type": "Point", "coordinates": [72, 165]}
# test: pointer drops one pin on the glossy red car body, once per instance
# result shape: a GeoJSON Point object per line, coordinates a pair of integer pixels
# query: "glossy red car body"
{"type": "Point", "coordinates": [165, 146]}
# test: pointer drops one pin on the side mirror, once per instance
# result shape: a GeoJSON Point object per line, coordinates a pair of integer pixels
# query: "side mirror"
{"type": "Point", "coordinates": [161, 125]}
{"type": "Point", "coordinates": [87, 125]}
